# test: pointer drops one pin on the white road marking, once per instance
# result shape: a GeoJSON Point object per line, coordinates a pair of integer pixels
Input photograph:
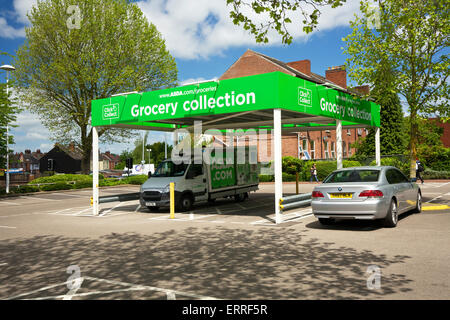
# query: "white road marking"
{"type": "Point", "coordinates": [218, 211]}
{"type": "Point", "coordinates": [435, 198]}
{"type": "Point", "coordinates": [3, 264]}
{"type": "Point", "coordinates": [13, 203]}
{"type": "Point", "coordinates": [17, 215]}
{"type": "Point", "coordinates": [36, 198]}
{"type": "Point", "coordinates": [8, 227]}
{"type": "Point", "coordinates": [109, 210]}
{"type": "Point", "coordinates": [137, 208]}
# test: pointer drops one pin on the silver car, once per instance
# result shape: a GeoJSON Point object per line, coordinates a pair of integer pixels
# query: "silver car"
{"type": "Point", "coordinates": [365, 193]}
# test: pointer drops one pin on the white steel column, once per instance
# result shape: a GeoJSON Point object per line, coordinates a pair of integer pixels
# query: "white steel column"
{"type": "Point", "coordinates": [277, 163]}
{"type": "Point", "coordinates": [377, 146]}
{"type": "Point", "coordinates": [95, 170]}
{"type": "Point", "coordinates": [339, 143]}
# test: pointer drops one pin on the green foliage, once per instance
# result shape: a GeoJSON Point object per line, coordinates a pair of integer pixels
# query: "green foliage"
{"type": "Point", "coordinates": [275, 16]}
{"type": "Point", "coordinates": [63, 178]}
{"type": "Point", "coordinates": [266, 178]}
{"type": "Point", "coordinates": [433, 174]}
{"type": "Point", "coordinates": [56, 186]}
{"type": "Point", "coordinates": [412, 38]}
{"type": "Point", "coordinates": [434, 157]}
{"type": "Point", "coordinates": [292, 165]}
{"type": "Point", "coordinates": [61, 69]}
{"type": "Point", "coordinates": [403, 166]}
{"type": "Point", "coordinates": [25, 189]}
{"type": "Point", "coordinates": [8, 113]}
{"type": "Point", "coordinates": [157, 153]}
{"type": "Point", "coordinates": [393, 138]}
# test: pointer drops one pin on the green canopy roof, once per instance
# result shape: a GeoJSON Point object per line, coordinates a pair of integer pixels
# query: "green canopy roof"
{"type": "Point", "coordinates": [244, 102]}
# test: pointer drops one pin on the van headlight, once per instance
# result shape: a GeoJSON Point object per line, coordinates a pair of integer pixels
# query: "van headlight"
{"type": "Point", "coordinates": [167, 188]}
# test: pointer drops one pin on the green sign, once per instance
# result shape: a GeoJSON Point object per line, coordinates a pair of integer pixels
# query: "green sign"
{"type": "Point", "coordinates": [264, 91]}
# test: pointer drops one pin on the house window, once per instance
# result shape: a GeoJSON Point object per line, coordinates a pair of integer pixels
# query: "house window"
{"type": "Point", "coordinates": [349, 133]}
{"type": "Point", "coordinates": [344, 148]}
{"type": "Point", "coordinates": [333, 150]}
{"type": "Point", "coordinates": [325, 147]}
{"type": "Point", "coordinates": [313, 151]}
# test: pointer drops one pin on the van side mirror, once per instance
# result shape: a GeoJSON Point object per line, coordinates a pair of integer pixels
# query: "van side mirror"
{"type": "Point", "coordinates": [149, 174]}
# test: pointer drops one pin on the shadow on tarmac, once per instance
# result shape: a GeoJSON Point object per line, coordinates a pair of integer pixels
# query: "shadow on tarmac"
{"type": "Point", "coordinates": [221, 262]}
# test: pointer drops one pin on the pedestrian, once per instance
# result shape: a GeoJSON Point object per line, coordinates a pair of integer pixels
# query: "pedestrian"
{"type": "Point", "coordinates": [419, 169]}
{"type": "Point", "coordinates": [313, 171]}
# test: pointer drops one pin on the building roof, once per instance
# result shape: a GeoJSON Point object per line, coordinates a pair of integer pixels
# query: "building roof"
{"type": "Point", "coordinates": [313, 78]}
{"type": "Point", "coordinates": [72, 151]}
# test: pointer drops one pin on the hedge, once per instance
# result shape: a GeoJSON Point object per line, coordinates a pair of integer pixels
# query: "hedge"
{"type": "Point", "coordinates": [56, 186]}
{"type": "Point", "coordinates": [65, 178]}
{"type": "Point", "coordinates": [395, 162]}
{"type": "Point", "coordinates": [433, 174]}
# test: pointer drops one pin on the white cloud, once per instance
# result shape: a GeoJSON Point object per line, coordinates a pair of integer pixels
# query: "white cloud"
{"type": "Point", "coordinates": [204, 29]}
{"type": "Point", "coordinates": [9, 32]}
{"type": "Point", "coordinates": [22, 7]}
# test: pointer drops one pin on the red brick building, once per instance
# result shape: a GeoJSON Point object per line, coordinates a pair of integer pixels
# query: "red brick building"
{"type": "Point", "coordinates": [445, 138]}
{"type": "Point", "coordinates": [320, 144]}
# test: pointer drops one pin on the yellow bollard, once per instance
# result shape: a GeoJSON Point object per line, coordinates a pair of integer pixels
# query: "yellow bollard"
{"type": "Point", "coordinates": [92, 201]}
{"type": "Point", "coordinates": [172, 200]}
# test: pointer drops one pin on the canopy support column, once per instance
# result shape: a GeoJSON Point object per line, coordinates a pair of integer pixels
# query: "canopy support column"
{"type": "Point", "coordinates": [339, 143]}
{"type": "Point", "coordinates": [277, 163]}
{"type": "Point", "coordinates": [377, 146]}
{"type": "Point", "coordinates": [95, 172]}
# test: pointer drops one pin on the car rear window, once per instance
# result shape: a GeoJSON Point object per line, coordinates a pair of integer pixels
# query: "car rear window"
{"type": "Point", "coordinates": [363, 175]}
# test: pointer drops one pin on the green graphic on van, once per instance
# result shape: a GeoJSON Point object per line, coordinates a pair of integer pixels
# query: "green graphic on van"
{"type": "Point", "coordinates": [111, 111]}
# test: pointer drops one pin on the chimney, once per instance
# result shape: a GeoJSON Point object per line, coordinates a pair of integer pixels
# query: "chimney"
{"type": "Point", "coordinates": [27, 151]}
{"type": "Point", "coordinates": [364, 90]}
{"type": "Point", "coordinates": [337, 75]}
{"type": "Point", "coordinates": [38, 151]}
{"type": "Point", "coordinates": [304, 66]}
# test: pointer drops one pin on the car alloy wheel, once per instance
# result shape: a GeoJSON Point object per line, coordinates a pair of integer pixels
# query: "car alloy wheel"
{"type": "Point", "coordinates": [392, 215]}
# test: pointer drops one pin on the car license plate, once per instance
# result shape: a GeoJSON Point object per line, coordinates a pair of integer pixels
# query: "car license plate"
{"type": "Point", "coordinates": [340, 195]}
{"type": "Point", "coordinates": [150, 204]}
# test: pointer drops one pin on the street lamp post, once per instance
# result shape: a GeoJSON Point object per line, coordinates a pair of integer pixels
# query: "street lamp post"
{"type": "Point", "coordinates": [7, 68]}
{"type": "Point", "coordinates": [149, 150]}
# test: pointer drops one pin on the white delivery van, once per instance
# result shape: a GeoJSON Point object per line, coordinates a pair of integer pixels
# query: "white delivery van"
{"type": "Point", "coordinates": [139, 169]}
{"type": "Point", "coordinates": [204, 181]}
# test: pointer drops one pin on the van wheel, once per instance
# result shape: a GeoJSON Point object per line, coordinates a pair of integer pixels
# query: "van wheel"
{"type": "Point", "coordinates": [185, 203]}
{"type": "Point", "coordinates": [392, 216]}
{"type": "Point", "coordinates": [327, 221]}
{"type": "Point", "coordinates": [239, 197]}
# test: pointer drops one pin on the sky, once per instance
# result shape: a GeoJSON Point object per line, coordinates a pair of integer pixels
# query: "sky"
{"type": "Point", "coordinates": [204, 42]}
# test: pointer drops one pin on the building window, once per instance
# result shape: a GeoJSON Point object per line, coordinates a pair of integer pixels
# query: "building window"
{"type": "Point", "coordinates": [312, 151]}
{"type": "Point", "coordinates": [333, 150]}
{"type": "Point", "coordinates": [349, 133]}
{"type": "Point", "coordinates": [344, 148]}
{"type": "Point", "coordinates": [325, 148]}
{"type": "Point", "coordinates": [349, 150]}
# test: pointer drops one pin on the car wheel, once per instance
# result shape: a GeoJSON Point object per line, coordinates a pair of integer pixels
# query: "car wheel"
{"type": "Point", "coordinates": [153, 209]}
{"type": "Point", "coordinates": [418, 208]}
{"type": "Point", "coordinates": [186, 202]}
{"type": "Point", "coordinates": [327, 221]}
{"type": "Point", "coordinates": [391, 218]}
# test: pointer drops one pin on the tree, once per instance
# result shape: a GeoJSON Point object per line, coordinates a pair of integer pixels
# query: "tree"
{"type": "Point", "coordinates": [276, 14]}
{"type": "Point", "coordinates": [157, 153]}
{"type": "Point", "coordinates": [411, 37]}
{"type": "Point", "coordinates": [8, 114]}
{"type": "Point", "coordinates": [77, 51]}
{"type": "Point", "coordinates": [393, 139]}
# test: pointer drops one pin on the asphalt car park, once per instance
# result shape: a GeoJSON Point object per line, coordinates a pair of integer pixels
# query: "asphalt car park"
{"type": "Point", "coordinates": [229, 250]}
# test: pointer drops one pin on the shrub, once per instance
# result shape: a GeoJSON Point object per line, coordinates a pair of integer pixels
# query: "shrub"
{"type": "Point", "coordinates": [266, 178]}
{"type": "Point", "coordinates": [56, 186]}
{"type": "Point", "coordinates": [288, 177]}
{"type": "Point", "coordinates": [25, 189]}
{"type": "Point", "coordinates": [62, 178]}
{"type": "Point", "coordinates": [433, 174]}
{"type": "Point", "coordinates": [403, 166]}
{"type": "Point", "coordinates": [139, 179]}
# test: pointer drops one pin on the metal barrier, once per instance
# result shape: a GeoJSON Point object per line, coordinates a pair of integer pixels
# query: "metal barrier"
{"type": "Point", "coordinates": [120, 197]}
{"type": "Point", "coordinates": [295, 201]}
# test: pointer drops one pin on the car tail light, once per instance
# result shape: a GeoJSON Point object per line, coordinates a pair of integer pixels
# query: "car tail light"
{"type": "Point", "coordinates": [317, 194]}
{"type": "Point", "coordinates": [371, 193]}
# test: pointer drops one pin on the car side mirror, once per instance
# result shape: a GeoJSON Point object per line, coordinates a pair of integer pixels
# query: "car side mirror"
{"type": "Point", "coordinates": [149, 174]}
{"type": "Point", "coordinates": [413, 179]}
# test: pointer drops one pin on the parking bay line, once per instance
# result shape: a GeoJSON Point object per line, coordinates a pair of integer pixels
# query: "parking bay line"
{"type": "Point", "coordinates": [8, 227]}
